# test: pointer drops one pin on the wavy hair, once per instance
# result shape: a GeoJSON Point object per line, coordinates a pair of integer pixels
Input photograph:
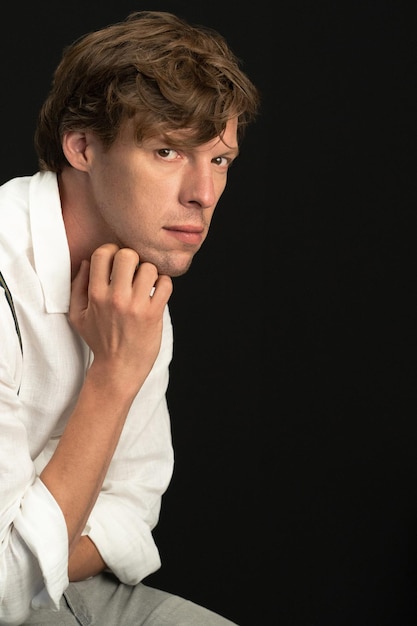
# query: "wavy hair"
{"type": "Point", "coordinates": [154, 68]}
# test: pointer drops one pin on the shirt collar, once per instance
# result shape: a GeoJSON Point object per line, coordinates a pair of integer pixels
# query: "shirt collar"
{"type": "Point", "coordinates": [50, 245]}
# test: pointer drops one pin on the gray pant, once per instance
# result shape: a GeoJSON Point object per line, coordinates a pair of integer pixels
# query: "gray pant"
{"type": "Point", "coordinates": [104, 601]}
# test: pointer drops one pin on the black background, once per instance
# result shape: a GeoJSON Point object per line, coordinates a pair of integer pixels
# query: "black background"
{"type": "Point", "coordinates": [292, 391]}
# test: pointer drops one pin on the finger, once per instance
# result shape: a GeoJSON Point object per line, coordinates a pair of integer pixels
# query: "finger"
{"type": "Point", "coordinates": [145, 279]}
{"type": "Point", "coordinates": [162, 290]}
{"type": "Point", "coordinates": [125, 263]}
{"type": "Point", "coordinates": [101, 265]}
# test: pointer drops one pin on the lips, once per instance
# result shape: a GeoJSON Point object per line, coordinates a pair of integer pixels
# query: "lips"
{"type": "Point", "coordinates": [191, 235]}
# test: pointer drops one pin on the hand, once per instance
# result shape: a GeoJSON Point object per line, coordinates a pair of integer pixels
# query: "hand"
{"type": "Point", "coordinates": [113, 310]}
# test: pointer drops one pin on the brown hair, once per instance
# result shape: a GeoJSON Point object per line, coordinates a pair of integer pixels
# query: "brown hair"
{"type": "Point", "coordinates": [153, 67]}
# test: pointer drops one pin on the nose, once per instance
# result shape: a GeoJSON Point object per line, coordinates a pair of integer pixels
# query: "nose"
{"type": "Point", "coordinates": [198, 187]}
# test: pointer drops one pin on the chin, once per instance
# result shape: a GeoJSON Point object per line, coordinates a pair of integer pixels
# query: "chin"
{"type": "Point", "coordinates": [176, 269]}
{"type": "Point", "coordinates": [172, 264]}
{"type": "Point", "coordinates": [175, 272]}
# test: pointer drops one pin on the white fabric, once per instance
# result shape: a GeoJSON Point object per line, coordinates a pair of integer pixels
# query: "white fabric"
{"type": "Point", "coordinates": [35, 262]}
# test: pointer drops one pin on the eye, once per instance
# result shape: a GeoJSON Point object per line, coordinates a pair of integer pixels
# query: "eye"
{"type": "Point", "coordinates": [168, 154]}
{"type": "Point", "coordinates": [222, 161]}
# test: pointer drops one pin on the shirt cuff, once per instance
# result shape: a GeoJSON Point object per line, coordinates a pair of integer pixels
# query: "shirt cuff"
{"type": "Point", "coordinates": [41, 525]}
{"type": "Point", "coordinates": [131, 554]}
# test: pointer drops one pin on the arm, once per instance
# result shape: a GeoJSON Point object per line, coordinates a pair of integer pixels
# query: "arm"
{"type": "Point", "coordinates": [85, 560]}
{"type": "Point", "coordinates": [122, 324]}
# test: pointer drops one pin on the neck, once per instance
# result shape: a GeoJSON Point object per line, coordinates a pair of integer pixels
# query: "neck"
{"type": "Point", "coordinates": [80, 218]}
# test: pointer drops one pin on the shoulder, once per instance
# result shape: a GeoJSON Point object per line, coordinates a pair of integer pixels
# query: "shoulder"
{"type": "Point", "coordinates": [18, 190]}
{"type": "Point", "coordinates": [13, 190]}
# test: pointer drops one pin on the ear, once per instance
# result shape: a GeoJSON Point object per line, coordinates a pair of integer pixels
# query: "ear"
{"type": "Point", "coordinates": [74, 144]}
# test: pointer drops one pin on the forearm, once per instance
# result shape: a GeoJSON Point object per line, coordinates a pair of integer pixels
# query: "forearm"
{"type": "Point", "coordinates": [112, 309]}
{"type": "Point", "coordinates": [85, 560]}
{"type": "Point", "coordinates": [76, 471]}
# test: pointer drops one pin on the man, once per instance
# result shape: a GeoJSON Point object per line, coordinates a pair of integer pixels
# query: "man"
{"type": "Point", "coordinates": [134, 142]}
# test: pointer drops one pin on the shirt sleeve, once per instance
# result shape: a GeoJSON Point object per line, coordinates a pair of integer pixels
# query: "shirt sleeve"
{"type": "Point", "coordinates": [33, 533]}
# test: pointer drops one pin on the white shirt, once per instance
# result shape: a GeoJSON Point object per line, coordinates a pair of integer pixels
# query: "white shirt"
{"type": "Point", "coordinates": [37, 395]}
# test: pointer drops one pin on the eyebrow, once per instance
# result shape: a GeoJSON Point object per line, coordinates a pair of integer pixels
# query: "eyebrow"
{"type": "Point", "coordinates": [175, 142]}
{"type": "Point", "coordinates": [232, 151]}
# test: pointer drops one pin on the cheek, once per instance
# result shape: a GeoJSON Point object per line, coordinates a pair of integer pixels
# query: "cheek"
{"type": "Point", "coordinates": [220, 185]}
{"type": "Point", "coordinates": [117, 187]}
{"type": "Point", "coordinates": [208, 217]}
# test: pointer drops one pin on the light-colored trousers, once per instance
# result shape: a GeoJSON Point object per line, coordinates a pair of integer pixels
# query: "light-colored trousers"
{"type": "Point", "coordinates": [104, 601]}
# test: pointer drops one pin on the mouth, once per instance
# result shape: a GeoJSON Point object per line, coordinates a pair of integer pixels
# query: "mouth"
{"type": "Point", "coordinates": [191, 235]}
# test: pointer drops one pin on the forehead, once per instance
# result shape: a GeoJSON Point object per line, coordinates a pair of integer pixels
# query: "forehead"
{"type": "Point", "coordinates": [184, 138]}
{"type": "Point", "coordinates": [228, 139]}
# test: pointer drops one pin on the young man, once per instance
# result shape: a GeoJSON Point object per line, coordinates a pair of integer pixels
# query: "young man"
{"type": "Point", "coordinates": [134, 141]}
